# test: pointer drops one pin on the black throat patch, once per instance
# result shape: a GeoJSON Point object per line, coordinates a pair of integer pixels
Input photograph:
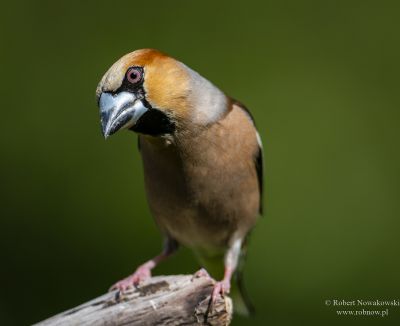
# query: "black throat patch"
{"type": "Point", "coordinates": [154, 123]}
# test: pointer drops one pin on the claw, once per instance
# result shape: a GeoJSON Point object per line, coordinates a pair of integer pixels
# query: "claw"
{"type": "Point", "coordinates": [143, 273]}
{"type": "Point", "coordinates": [220, 289]}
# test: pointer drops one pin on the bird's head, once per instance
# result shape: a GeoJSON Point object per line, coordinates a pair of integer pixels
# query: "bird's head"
{"type": "Point", "coordinates": [151, 93]}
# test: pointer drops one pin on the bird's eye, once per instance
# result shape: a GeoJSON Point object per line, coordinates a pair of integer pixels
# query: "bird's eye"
{"type": "Point", "coordinates": [134, 75]}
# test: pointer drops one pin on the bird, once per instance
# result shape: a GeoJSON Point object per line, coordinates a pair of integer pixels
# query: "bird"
{"type": "Point", "coordinates": [202, 164]}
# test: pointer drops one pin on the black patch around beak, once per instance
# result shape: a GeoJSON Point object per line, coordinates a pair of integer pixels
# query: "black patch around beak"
{"type": "Point", "coordinates": [154, 123]}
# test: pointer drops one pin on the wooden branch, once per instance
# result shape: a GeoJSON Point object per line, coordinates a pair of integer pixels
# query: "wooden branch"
{"type": "Point", "coordinates": [163, 300]}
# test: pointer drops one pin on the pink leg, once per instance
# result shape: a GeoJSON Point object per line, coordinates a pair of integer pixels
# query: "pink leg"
{"type": "Point", "coordinates": [143, 272]}
{"type": "Point", "coordinates": [231, 261]}
{"type": "Point", "coordinates": [224, 286]}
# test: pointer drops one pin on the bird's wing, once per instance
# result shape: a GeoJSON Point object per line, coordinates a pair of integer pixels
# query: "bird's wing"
{"type": "Point", "coordinates": [260, 172]}
{"type": "Point", "coordinates": [258, 159]}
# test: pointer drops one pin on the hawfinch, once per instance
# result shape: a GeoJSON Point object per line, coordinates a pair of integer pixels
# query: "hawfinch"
{"type": "Point", "coordinates": [202, 162]}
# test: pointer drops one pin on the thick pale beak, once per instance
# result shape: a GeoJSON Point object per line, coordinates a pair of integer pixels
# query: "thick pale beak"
{"type": "Point", "coordinates": [119, 111]}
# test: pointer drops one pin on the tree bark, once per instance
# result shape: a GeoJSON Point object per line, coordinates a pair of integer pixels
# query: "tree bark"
{"type": "Point", "coordinates": [163, 300]}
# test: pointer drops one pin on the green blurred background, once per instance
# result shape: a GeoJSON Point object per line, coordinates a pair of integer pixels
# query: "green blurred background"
{"type": "Point", "coordinates": [321, 79]}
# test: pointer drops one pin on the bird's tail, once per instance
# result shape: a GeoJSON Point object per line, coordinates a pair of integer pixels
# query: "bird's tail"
{"type": "Point", "coordinates": [241, 302]}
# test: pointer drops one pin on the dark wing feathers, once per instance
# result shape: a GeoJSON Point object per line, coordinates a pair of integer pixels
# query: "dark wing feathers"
{"type": "Point", "coordinates": [260, 175]}
{"type": "Point", "coordinates": [258, 160]}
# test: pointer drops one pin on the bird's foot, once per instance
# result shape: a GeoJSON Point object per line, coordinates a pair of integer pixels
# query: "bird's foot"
{"type": "Point", "coordinates": [220, 288]}
{"type": "Point", "coordinates": [141, 274]}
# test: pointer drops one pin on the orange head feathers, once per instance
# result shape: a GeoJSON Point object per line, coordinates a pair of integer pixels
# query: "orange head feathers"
{"type": "Point", "coordinates": [151, 93]}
